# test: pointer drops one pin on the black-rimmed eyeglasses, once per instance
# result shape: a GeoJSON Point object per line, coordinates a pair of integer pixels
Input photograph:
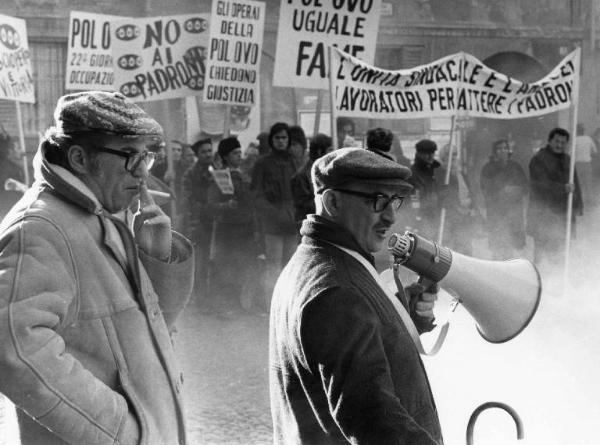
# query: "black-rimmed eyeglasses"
{"type": "Point", "coordinates": [379, 200]}
{"type": "Point", "coordinates": [133, 158]}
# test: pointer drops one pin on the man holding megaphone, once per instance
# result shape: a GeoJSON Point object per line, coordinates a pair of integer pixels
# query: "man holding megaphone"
{"type": "Point", "coordinates": [343, 365]}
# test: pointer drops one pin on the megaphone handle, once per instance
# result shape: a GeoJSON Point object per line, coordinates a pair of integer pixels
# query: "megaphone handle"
{"type": "Point", "coordinates": [429, 285]}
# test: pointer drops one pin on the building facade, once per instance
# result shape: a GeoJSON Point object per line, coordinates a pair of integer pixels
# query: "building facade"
{"type": "Point", "coordinates": [523, 38]}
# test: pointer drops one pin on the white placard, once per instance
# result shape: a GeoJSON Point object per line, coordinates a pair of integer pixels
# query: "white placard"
{"type": "Point", "coordinates": [234, 52]}
{"type": "Point", "coordinates": [16, 75]}
{"type": "Point", "coordinates": [160, 57]}
{"type": "Point", "coordinates": [308, 27]}
{"type": "Point", "coordinates": [223, 180]}
{"type": "Point", "coordinates": [89, 56]}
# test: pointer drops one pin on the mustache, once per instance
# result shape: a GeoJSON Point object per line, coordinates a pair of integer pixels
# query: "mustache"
{"type": "Point", "coordinates": [382, 226]}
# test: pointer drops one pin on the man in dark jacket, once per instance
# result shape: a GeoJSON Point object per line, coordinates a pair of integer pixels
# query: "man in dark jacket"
{"type": "Point", "coordinates": [428, 181]}
{"type": "Point", "coordinates": [197, 221]}
{"type": "Point", "coordinates": [272, 189]}
{"type": "Point", "coordinates": [343, 367]}
{"type": "Point", "coordinates": [550, 188]}
{"type": "Point", "coordinates": [88, 295]}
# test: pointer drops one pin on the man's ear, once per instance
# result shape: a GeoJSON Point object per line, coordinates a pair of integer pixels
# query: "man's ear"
{"type": "Point", "coordinates": [330, 202]}
{"type": "Point", "coordinates": [78, 159]}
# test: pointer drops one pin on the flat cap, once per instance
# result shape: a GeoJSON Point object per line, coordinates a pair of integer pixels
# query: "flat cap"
{"type": "Point", "coordinates": [426, 146]}
{"type": "Point", "coordinates": [357, 165]}
{"type": "Point", "coordinates": [103, 112]}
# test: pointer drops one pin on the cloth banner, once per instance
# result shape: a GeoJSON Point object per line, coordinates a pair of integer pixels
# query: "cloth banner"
{"type": "Point", "coordinates": [307, 27]}
{"type": "Point", "coordinates": [89, 56]}
{"type": "Point", "coordinates": [16, 75]}
{"type": "Point", "coordinates": [234, 52]}
{"type": "Point", "coordinates": [160, 57]}
{"type": "Point", "coordinates": [455, 85]}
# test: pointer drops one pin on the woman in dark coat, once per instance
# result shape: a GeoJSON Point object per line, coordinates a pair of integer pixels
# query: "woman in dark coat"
{"type": "Point", "coordinates": [504, 187]}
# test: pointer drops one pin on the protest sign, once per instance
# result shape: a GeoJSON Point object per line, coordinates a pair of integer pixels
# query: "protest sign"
{"type": "Point", "coordinates": [308, 27]}
{"type": "Point", "coordinates": [223, 180]}
{"type": "Point", "coordinates": [458, 84]}
{"type": "Point", "coordinates": [160, 57]}
{"type": "Point", "coordinates": [89, 56]}
{"type": "Point", "coordinates": [16, 78]}
{"type": "Point", "coordinates": [233, 62]}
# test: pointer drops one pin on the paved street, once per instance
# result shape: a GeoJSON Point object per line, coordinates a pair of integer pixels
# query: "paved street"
{"type": "Point", "coordinates": [226, 379]}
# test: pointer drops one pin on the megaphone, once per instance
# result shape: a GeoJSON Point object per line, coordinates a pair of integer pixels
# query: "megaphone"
{"type": "Point", "coordinates": [502, 296]}
{"type": "Point", "coordinates": [13, 185]}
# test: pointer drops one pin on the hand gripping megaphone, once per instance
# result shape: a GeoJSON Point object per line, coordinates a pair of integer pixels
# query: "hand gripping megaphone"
{"type": "Point", "coordinates": [502, 296]}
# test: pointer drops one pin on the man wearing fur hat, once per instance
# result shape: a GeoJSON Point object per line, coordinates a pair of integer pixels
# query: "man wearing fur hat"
{"type": "Point", "coordinates": [89, 295]}
{"type": "Point", "coordinates": [343, 368]}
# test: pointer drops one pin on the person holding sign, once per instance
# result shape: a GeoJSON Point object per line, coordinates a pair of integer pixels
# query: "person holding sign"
{"type": "Point", "coordinates": [549, 191]}
{"type": "Point", "coordinates": [90, 293]}
{"type": "Point", "coordinates": [232, 247]}
{"type": "Point", "coordinates": [343, 368]}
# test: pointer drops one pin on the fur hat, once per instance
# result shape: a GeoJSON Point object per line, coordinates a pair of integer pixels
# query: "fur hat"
{"type": "Point", "coordinates": [227, 145]}
{"type": "Point", "coordinates": [357, 165]}
{"type": "Point", "coordinates": [426, 146]}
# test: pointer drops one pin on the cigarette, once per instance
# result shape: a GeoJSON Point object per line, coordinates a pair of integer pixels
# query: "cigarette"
{"type": "Point", "coordinates": [158, 194]}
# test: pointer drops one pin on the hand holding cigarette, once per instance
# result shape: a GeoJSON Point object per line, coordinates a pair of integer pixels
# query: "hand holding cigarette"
{"type": "Point", "coordinates": [151, 226]}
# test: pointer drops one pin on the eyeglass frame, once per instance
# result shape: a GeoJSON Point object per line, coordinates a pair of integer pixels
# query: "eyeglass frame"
{"type": "Point", "coordinates": [143, 156]}
{"type": "Point", "coordinates": [375, 197]}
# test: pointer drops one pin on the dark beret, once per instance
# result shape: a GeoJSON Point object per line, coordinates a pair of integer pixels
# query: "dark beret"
{"type": "Point", "coordinates": [227, 145]}
{"type": "Point", "coordinates": [357, 165]}
{"type": "Point", "coordinates": [103, 112]}
{"type": "Point", "coordinates": [426, 146]}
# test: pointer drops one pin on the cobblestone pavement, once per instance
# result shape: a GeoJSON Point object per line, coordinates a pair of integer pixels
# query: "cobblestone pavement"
{"type": "Point", "coordinates": [226, 379]}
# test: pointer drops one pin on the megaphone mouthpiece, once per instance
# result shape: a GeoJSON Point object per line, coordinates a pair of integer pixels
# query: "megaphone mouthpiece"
{"type": "Point", "coordinates": [428, 259]}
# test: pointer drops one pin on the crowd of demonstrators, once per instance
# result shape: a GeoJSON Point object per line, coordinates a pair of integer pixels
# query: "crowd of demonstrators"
{"type": "Point", "coordinates": [549, 190]}
{"type": "Point", "coordinates": [91, 291]}
{"type": "Point", "coordinates": [272, 191]}
{"type": "Point", "coordinates": [302, 189]}
{"type": "Point", "coordinates": [504, 187]}
{"type": "Point", "coordinates": [232, 247]}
